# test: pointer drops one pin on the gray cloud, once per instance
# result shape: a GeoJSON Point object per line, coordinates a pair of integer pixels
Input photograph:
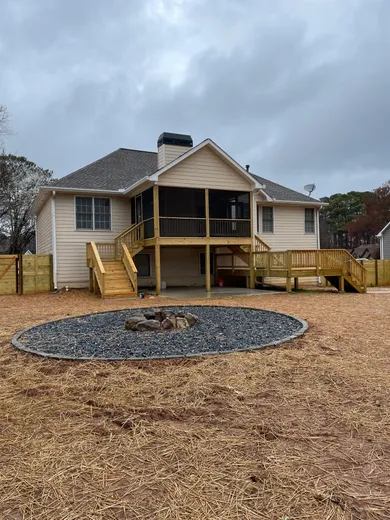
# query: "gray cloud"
{"type": "Point", "coordinates": [296, 88]}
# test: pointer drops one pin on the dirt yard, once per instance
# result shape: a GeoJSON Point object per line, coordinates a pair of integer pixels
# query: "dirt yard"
{"type": "Point", "coordinates": [291, 433]}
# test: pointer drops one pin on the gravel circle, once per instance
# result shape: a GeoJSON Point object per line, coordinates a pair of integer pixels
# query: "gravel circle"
{"type": "Point", "coordinates": [103, 335]}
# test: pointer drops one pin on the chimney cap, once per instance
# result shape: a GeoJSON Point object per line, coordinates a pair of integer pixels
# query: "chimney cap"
{"type": "Point", "coordinates": [175, 139]}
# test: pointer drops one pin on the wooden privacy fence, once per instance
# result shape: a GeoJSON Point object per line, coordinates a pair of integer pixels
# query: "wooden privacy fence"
{"type": "Point", "coordinates": [25, 274]}
{"type": "Point", "coordinates": [377, 272]}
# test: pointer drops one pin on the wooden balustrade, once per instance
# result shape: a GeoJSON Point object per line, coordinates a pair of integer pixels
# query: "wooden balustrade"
{"type": "Point", "coordinates": [130, 267]}
{"type": "Point", "coordinates": [230, 227]}
{"type": "Point", "coordinates": [182, 227]}
{"type": "Point", "coordinates": [94, 261]}
{"type": "Point", "coordinates": [132, 237]}
{"type": "Point", "coordinates": [318, 261]}
{"type": "Point", "coordinates": [260, 245]}
{"type": "Point", "coordinates": [106, 250]}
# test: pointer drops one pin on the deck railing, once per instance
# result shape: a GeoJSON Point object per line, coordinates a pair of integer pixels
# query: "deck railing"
{"type": "Point", "coordinates": [260, 245]}
{"type": "Point", "coordinates": [230, 227]}
{"type": "Point", "coordinates": [231, 261]}
{"type": "Point", "coordinates": [182, 227]}
{"type": "Point", "coordinates": [106, 250]}
{"type": "Point", "coordinates": [315, 259]}
{"type": "Point", "coordinates": [94, 261]}
{"type": "Point", "coordinates": [197, 227]}
{"type": "Point", "coordinates": [132, 237]}
{"type": "Point", "coordinates": [130, 267]}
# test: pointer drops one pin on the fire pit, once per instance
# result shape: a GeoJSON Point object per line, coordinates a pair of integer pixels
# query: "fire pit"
{"type": "Point", "coordinates": [161, 320]}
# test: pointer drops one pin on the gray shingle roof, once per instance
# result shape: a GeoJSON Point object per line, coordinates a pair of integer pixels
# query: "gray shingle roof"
{"type": "Point", "coordinates": [124, 167]}
{"type": "Point", "coordinates": [117, 170]}
{"type": "Point", "coordinates": [278, 192]}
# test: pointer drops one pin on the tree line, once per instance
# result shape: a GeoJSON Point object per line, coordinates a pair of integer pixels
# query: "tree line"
{"type": "Point", "coordinates": [19, 183]}
{"type": "Point", "coordinates": [354, 218]}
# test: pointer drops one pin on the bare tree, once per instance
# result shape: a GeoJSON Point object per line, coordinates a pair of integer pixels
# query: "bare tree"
{"type": "Point", "coordinates": [5, 127]}
{"type": "Point", "coordinates": [19, 183]}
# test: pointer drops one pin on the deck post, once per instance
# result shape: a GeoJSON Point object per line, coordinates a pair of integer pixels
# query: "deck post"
{"type": "Point", "coordinates": [91, 279]}
{"type": "Point", "coordinates": [341, 283]}
{"type": "Point", "coordinates": [207, 211]}
{"type": "Point", "coordinates": [157, 252]}
{"type": "Point", "coordinates": [207, 268]}
{"type": "Point", "coordinates": [252, 274]}
{"type": "Point", "coordinates": [289, 265]}
{"type": "Point", "coordinates": [296, 283]}
{"type": "Point", "coordinates": [157, 259]}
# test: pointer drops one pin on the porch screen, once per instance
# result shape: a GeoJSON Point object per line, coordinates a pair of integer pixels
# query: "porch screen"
{"type": "Point", "coordinates": [182, 202]}
{"type": "Point", "coordinates": [229, 204]}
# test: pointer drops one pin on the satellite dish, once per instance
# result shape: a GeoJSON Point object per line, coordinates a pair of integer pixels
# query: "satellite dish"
{"type": "Point", "coordinates": [310, 188]}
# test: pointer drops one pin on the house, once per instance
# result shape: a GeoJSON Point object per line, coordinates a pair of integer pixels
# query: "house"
{"type": "Point", "coordinates": [182, 216]}
{"type": "Point", "coordinates": [384, 242]}
{"type": "Point", "coordinates": [366, 251]}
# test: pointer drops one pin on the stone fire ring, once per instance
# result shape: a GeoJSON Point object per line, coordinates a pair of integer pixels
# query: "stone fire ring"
{"type": "Point", "coordinates": [102, 336]}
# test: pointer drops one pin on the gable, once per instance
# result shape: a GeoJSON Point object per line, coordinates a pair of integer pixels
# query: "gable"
{"type": "Point", "coordinates": [204, 169]}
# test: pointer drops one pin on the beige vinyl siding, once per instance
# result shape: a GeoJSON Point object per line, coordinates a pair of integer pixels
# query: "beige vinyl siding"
{"type": "Point", "coordinates": [168, 153]}
{"type": "Point", "coordinates": [289, 229]}
{"type": "Point", "coordinates": [180, 267]}
{"type": "Point", "coordinates": [71, 244]}
{"type": "Point", "coordinates": [204, 169]}
{"type": "Point", "coordinates": [289, 233]}
{"type": "Point", "coordinates": [44, 229]}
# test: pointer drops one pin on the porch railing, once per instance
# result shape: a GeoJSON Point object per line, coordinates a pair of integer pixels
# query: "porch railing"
{"type": "Point", "coordinates": [196, 227]}
{"type": "Point", "coordinates": [182, 227]}
{"type": "Point", "coordinates": [130, 267]}
{"type": "Point", "coordinates": [94, 261]}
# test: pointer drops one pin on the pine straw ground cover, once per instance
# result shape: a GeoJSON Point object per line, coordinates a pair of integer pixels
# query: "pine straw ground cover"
{"type": "Point", "coordinates": [295, 432]}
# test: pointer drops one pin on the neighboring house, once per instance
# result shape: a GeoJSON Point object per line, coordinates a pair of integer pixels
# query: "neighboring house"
{"type": "Point", "coordinates": [384, 242]}
{"type": "Point", "coordinates": [174, 209]}
{"type": "Point", "coordinates": [366, 251]}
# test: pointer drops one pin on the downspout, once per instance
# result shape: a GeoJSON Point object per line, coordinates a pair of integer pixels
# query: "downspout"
{"type": "Point", "coordinates": [54, 237]}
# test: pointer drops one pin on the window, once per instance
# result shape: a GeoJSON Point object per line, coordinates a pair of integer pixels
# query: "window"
{"type": "Point", "coordinates": [268, 219]}
{"type": "Point", "coordinates": [309, 220]}
{"type": "Point", "coordinates": [202, 260]}
{"type": "Point", "coordinates": [102, 213]}
{"type": "Point", "coordinates": [142, 263]}
{"type": "Point", "coordinates": [93, 213]}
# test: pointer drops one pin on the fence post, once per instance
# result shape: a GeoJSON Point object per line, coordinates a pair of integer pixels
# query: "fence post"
{"type": "Point", "coordinates": [20, 262]}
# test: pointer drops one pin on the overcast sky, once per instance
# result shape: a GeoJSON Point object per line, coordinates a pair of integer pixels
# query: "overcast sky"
{"type": "Point", "coordinates": [298, 89]}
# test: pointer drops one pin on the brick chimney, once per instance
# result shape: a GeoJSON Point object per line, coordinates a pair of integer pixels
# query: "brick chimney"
{"type": "Point", "coordinates": [171, 146]}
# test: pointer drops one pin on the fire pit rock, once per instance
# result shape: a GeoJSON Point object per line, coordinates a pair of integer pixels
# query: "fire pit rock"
{"type": "Point", "coordinates": [161, 320]}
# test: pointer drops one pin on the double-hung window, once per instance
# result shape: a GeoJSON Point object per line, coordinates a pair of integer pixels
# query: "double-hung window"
{"type": "Point", "coordinates": [93, 213]}
{"type": "Point", "coordinates": [310, 226]}
{"type": "Point", "coordinates": [268, 219]}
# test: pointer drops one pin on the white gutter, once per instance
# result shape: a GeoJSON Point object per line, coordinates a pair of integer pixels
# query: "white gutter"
{"type": "Point", "coordinates": [54, 237]}
{"type": "Point", "coordinates": [81, 190]}
{"type": "Point", "coordinates": [299, 203]}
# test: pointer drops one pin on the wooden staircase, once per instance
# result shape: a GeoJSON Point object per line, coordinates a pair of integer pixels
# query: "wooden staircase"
{"type": "Point", "coordinates": [113, 273]}
{"type": "Point", "coordinates": [117, 282]}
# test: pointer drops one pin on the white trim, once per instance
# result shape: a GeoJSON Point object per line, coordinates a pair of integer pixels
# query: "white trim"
{"type": "Point", "coordinates": [381, 248]}
{"type": "Point", "coordinates": [318, 229]}
{"type": "Point", "coordinates": [299, 203]}
{"type": "Point", "coordinates": [219, 151]}
{"type": "Point", "coordinates": [81, 190]}
{"type": "Point", "coordinates": [383, 230]}
{"type": "Point", "coordinates": [54, 237]}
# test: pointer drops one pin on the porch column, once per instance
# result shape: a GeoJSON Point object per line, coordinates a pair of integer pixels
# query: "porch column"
{"type": "Point", "coordinates": [207, 211]}
{"type": "Point", "coordinates": [207, 268]}
{"type": "Point", "coordinates": [156, 220]}
{"type": "Point", "coordinates": [252, 273]}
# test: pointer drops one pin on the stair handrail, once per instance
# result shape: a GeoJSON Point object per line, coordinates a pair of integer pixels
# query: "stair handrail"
{"type": "Point", "coordinates": [358, 271]}
{"type": "Point", "coordinates": [96, 263]}
{"type": "Point", "coordinates": [260, 245]}
{"type": "Point", "coordinates": [130, 267]}
{"type": "Point", "coordinates": [131, 237]}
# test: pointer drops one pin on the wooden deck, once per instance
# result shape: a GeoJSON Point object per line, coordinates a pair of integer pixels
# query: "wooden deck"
{"type": "Point", "coordinates": [337, 266]}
